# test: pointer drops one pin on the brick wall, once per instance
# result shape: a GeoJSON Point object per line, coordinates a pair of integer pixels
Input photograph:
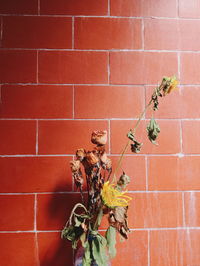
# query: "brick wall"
{"type": "Point", "coordinates": [68, 67]}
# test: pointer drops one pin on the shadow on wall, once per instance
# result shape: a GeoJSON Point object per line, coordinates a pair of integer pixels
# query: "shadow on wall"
{"type": "Point", "coordinates": [53, 212]}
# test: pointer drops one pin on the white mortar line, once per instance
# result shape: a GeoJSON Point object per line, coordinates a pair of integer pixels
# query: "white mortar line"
{"type": "Point", "coordinates": [73, 101]}
{"type": "Point", "coordinates": [146, 172]}
{"type": "Point", "coordinates": [36, 141]}
{"type": "Point", "coordinates": [1, 33]}
{"type": "Point", "coordinates": [100, 16]}
{"type": "Point", "coordinates": [73, 32]}
{"type": "Point", "coordinates": [109, 137]}
{"type": "Point", "coordinates": [148, 249]}
{"type": "Point", "coordinates": [142, 33]}
{"type": "Point", "coordinates": [77, 192]}
{"type": "Point", "coordinates": [35, 212]}
{"type": "Point", "coordinates": [110, 154]}
{"type": "Point", "coordinates": [37, 67]}
{"type": "Point", "coordinates": [90, 84]}
{"type": "Point", "coordinates": [108, 7]}
{"type": "Point", "coordinates": [38, 7]}
{"type": "Point", "coordinates": [102, 230]}
{"type": "Point", "coordinates": [183, 208]}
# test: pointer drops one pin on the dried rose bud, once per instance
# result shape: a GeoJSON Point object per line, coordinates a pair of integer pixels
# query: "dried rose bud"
{"type": "Point", "coordinates": [99, 137]}
{"type": "Point", "coordinates": [92, 158]}
{"type": "Point", "coordinates": [80, 154]}
{"type": "Point", "coordinates": [75, 165]}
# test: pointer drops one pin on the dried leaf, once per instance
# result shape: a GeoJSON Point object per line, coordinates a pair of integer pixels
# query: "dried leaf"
{"type": "Point", "coordinates": [153, 130]}
{"type": "Point", "coordinates": [136, 146]}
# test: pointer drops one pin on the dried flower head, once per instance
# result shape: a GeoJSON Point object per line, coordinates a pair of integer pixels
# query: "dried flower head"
{"type": "Point", "coordinates": [169, 84]}
{"type": "Point", "coordinates": [99, 137]}
{"type": "Point", "coordinates": [92, 158]}
{"type": "Point", "coordinates": [75, 165]}
{"type": "Point", "coordinates": [113, 197]}
{"type": "Point", "coordinates": [106, 162]}
{"type": "Point", "coordinates": [80, 154]}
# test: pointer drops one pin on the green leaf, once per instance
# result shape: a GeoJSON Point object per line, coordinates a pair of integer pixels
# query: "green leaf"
{"type": "Point", "coordinates": [99, 250]}
{"type": "Point", "coordinates": [87, 255]}
{"type": "Point", "coordinates": [111, 241]}
{"type": "Point", "coordinates": [153, 130]}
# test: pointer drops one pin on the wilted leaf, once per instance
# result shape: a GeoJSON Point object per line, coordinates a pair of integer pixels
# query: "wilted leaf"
{"type": "Point", "coordinates": [111, 241]}
{"type": "Point", "coordinates": [153, 130]}
{"type": "Point", "coordinates": [136, 146]}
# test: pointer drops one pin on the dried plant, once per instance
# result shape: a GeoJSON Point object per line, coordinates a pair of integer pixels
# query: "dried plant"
{"type": "Point", "coordinates": [105, 193]}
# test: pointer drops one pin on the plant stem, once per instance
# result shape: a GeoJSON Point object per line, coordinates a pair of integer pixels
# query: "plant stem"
{"type": "Point", "coordinates": [128, 142]}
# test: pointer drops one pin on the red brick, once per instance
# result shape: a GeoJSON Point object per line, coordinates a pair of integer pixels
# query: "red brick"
{"type": "Point", "coordinates": [96, 101]}
{"type": "Point", "coordinates": [19, 7]}
{"type": "Point", "coordinates": [172, 34]}
{"type": "Point", "coordinates": [18, 249]}
{"type": "Point", "coordinates": [36, 101]}
{"type": "Point", "coordinates": [18, 66]}
{"type": "Point", "coordinates": [175, 247]}
{"type": "Point", "coordinates": [189, 9]}
{"type": "Point", "coordinates": [14, 209]}
{"type": "Point", "coordinates": [37, 32]}
{"type": "Point", "coordinates": [62, 137]}
{"type": "Point", "coordinates": [18, 137]}
{"type": "Point", "coordinates": [161, 34]}
{"type": "Point", "coordinates": [144, 8]}
{"type": "Point", "coordinates": [191, 138]}
{"type": "Point", "coordinates": [141, 67]}
{"type": "Point", "coordinates": [35, 174]}
{"type": "Point", "coordinates": [53, 250]}
{"type": "Point", "coordinates": [135, 168]}
{"type": "Point", "coordinates": [180, 174]}
{"type": "Point", "coordinates": [186, 97]}
{"type": "Point", "coordinates": [190, 63]}
{"type": "Point", "coordinates": [54, 210]}
{"type": "Point", "coordinates": [192, 208]}
{"type": "Point", "coordinates": [107, 33]}
{"type": "Point", "coordinates": [188, 32]}
{"type": "Point", "coordinates": [168, 140]}
{"type": "Point", "coordinates": [153, 210]}
{"type": "Point", "coordinates": [73, 67]}
{"type": "Point", "coordinates": [74, 7]}
{"type": "Point", "coordinates": [134, 250]}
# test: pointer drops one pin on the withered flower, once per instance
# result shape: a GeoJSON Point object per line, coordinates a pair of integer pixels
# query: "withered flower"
{"type": "Point", "coordinates": [80, 154]}
{"type": "Point", "coordinates": [106, 162]}
{"type": "Point", "coordinates": [169, 84]}
{"type": "Point", "coordinates": [99, 137]}
{"type": "Point", "coordinates": [75, 165]}
{"type": "Point", "coordinates": [92, 158]}
{"type": "Point", "coordinates": [123, 181]}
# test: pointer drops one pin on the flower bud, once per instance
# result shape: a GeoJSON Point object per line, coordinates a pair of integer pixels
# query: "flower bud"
{"type": "Point", "coordinates": [99, 137]}
{"type": "Point", "coordinates": [75, 165]}
{"type": "Point", "coordinates": [80, 154]}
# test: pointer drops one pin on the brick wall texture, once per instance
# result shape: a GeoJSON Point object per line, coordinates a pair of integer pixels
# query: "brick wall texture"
{"type": "Point", "coordinates": [68, 67]}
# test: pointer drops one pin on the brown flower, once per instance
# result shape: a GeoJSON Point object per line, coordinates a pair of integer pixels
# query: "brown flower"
{"type": "Point", "coordinates": [80, 154]}
{"type": "Point", "coordinates": [75, 165]}
{"type": "Point", "coordinates": [107, 163]}
{"type": "Point", "coordinates": [99, 137]}
{"type": "Point", "coordinates": [92, 158]}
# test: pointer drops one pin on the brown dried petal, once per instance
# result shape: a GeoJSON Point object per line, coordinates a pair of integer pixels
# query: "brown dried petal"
{"type": "Point", "coordinates": [99, 137]}
{"type": "Point", "coordinates": [92, 158]}
{"type": "Point", "coordinates": [80, 154]}
{"type": "Point", "coordinates": [75, 165]}
{"type": "Point", "coordinates": [104, 158]}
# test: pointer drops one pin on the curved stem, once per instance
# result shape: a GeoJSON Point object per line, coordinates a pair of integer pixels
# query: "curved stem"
{"type": "Point", "coordinates": [127, 144]}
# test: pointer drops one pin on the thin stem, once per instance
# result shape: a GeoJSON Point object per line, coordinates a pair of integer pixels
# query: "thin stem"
{"type": "Point", "coordinates": [128, 142]}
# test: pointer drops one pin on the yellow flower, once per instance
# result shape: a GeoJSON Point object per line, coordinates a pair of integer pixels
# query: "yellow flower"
{"type": "Point", "coordinates": [171, 84]}
{"type": "Point", "coordinates": [113, 197]}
